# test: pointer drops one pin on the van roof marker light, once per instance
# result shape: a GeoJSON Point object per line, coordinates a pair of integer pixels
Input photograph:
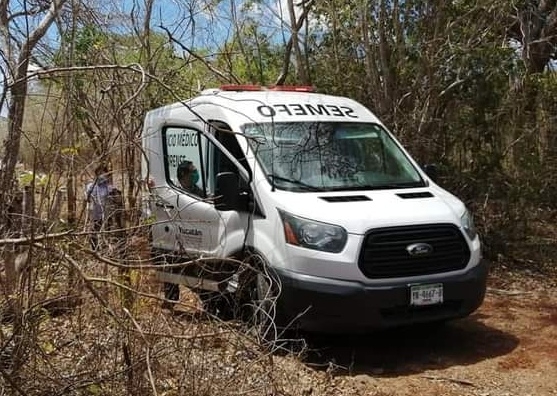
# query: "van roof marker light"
{"type": "Point", "coordinates": [292, 88]}
{"type": "Point", "coordinates": [282, 88]}
{"type": "Point", "coordinates": [235, 87]}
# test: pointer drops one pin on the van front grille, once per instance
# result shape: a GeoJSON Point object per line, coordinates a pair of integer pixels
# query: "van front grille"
{"type": "Point", "coordinates": [385, 252]}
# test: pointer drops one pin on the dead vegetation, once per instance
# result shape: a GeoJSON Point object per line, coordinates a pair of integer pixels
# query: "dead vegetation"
{"type": "Point", "coordinates": [83, 326]}
{"type": "Point", "coordinates": [107, 334]}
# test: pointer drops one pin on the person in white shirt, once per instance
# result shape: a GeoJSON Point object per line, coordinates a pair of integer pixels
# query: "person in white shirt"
{"type": "Point", "coordinates": [98, 194]}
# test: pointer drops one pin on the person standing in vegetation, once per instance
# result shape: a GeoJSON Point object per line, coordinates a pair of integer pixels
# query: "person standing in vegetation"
{"type": "Point", "coordinates": [98, 194]}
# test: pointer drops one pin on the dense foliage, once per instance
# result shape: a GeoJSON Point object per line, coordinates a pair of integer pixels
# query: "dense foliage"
{"type": "Point", "coordinates": [469, 86]}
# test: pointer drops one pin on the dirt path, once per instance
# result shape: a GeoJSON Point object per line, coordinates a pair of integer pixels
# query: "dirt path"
{"type": "Point", "coordinates": [508, 347]}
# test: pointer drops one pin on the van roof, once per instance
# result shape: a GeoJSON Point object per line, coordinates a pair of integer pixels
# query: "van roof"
{"type": "Point", "coordinates": [254, 104]}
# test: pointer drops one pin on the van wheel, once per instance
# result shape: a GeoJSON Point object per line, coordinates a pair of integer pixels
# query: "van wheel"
{"type": "Point", "coordinates": [219, 304]}
{"type": "Point", "coordinates": [259, 311]}
{"type": "Point", "coordinates": [267, 324]}
{"type": "Point", "coordinates": [265, 305]}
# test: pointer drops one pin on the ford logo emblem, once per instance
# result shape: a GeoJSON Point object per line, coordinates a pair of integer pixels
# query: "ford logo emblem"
{"type": "Point", "coordinates": [419, 249]}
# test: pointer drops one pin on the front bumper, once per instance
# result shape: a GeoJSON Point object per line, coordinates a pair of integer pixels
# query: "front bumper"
{"type": "Point", "coordinates": [329, 305]}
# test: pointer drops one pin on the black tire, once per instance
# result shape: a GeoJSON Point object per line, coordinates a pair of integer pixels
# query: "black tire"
{"type": "Point", "coordinates": [259, 296]}
{"type": "Point", "coordinates": [269, 324]}
{"type": "Point", "coordinates": [218, 304]}
{"type": "Point", "coordinates": [265, 307]}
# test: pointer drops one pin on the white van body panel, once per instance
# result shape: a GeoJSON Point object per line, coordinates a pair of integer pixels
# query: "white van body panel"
{"type": "Point", "coordinates": [356, 218]}
{"type": "Point", "coordinates": [196, 228]}
{"type": "Point", "coordinates": [247, 107]}
{"type": "Point", "coordinates": [359, 217]}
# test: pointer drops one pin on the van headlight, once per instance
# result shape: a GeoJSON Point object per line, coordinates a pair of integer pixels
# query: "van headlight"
{"type": "Point", "coordinates": [312, 234]}
{"type": "Point", "coordinates": [468, 224]}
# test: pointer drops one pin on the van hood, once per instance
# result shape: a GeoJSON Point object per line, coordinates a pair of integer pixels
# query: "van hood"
{"type": "Point", "coordinates": [359, 211]}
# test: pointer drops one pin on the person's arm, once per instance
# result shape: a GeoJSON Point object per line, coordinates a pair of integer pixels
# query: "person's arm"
{"type": "Point", "coordinates": [88, 192]}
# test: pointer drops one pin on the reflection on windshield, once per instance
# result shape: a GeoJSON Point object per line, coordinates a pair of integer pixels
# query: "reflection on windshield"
{"type": "Point", "coordinates": [311, 156]}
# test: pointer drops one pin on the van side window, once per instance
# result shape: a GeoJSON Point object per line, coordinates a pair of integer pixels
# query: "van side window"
{"type": "Point", "coordinates": [228, 139]}
{"type": "Point", "coordinates": [184, 153]}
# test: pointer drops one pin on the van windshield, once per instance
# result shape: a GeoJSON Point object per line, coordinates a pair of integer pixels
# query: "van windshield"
{"type": "Point", "coordinates": [330, 156]}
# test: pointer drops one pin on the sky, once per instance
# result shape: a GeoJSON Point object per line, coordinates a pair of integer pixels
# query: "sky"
{"type": "Point", "coordinates": [196, 23]}
{"type": "Point", "coordinates": [206, 23]}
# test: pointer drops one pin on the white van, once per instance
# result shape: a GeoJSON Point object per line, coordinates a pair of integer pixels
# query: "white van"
{"type": "Point", "coordinates": [315, 190]}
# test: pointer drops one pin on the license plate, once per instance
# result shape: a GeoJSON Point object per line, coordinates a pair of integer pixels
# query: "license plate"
{"type": "Point", "coordinates": [426, 294]}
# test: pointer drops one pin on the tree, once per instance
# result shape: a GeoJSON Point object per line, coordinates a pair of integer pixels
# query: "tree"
{"type": "Point", "coordinates": [17, 55]}
{"type": "Point", "coordinates": [533, 24]}
{"type": "Point", "coordinates": [18, 51]}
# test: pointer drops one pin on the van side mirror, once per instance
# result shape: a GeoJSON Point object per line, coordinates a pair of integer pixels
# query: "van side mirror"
{"type": "Point", "coordinates": [227, 191]}
{"type": "Point", "coordinates": [432, 171]}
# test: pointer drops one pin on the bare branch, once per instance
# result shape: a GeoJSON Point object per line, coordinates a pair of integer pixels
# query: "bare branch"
{"type": "Point", "coordinates": [229, 78]}
{"type": "Point", "coordinates": [60, 71]}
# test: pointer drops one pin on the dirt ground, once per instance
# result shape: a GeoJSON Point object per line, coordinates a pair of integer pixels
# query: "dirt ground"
{"type": "Point", "coordinates": [508, 347]}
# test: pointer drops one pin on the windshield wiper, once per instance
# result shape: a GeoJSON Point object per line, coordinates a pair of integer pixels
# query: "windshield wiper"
{"type": "Point", "coordinates": [383, 186]}
{"type": "Point", "coordinates": [401, 185]}
{"type": "Point", "coordinates": [295, 182]}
